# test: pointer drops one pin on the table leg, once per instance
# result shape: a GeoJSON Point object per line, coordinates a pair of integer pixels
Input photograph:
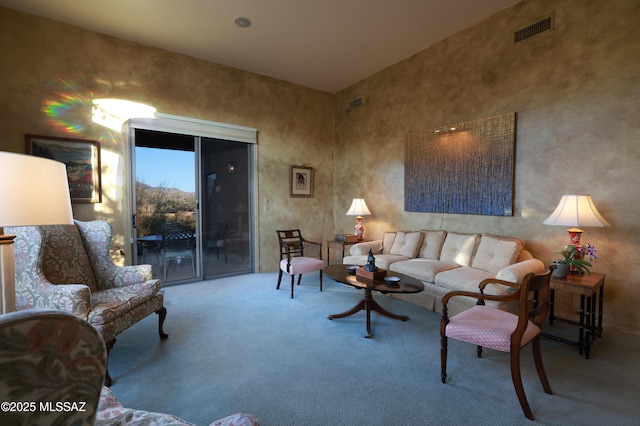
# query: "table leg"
{"type": "Point", "coordinates": [552, 297]}
{"type": "Point", "coordinates": [581, 325]}
{"type": "Point", "coordinates": [589, 326]}
{"type": "Point", "coordinates": [368, 304]}
{"type": "Point", "coordinates": [600, 304]}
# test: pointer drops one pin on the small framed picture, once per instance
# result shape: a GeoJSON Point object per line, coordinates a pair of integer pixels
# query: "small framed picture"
{"type": "Point", "coordinates": [300, 181]}
{"type": "Point", "coordinates": [82, 159]}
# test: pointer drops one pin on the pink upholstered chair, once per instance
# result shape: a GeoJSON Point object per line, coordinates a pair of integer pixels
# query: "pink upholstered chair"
{"type": "Point", "coordinates": [292, 256]}
{"type": "Point", "coordinates": [500, 330]}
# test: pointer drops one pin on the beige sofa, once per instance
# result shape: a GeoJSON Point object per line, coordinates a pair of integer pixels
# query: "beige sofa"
{"type": "Point", "coordinates": [446, 261]}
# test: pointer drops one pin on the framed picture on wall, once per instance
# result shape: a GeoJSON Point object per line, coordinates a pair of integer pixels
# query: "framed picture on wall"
{"type": "Point", "coordinates": [82, 158]}
{"type": "Point", "coordinates": [300, 181]}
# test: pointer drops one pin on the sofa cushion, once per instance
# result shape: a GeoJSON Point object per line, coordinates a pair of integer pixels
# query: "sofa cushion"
{"type": "Point", "coordinates": [431, 244]}
{"type": "Point", "coordinates": [387, 242]}
{"type": "Point", "coordinates": [422, 269]}
{"type": "Point", "coordinates": [467, 279]}
{"type": "Point", "coordinates": [406, 244]}
{"type": "Point", "coordinates": [109, 304]}
{"type": "Point", "coordinates": [459, 248]}
{"type": "Point", "coordinates": [495, 252]}
{"type": "Point", "coordinates": [383, 261]}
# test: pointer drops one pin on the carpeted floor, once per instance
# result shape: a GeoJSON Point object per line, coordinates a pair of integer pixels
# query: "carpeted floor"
{"type": "Point", "coordinates": [237, 344]}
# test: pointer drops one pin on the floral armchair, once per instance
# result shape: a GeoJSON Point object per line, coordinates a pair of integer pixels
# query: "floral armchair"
{"type": "Point", "coordinates": [52, 366]}
{"type": "Point", "coordinates": [67, 267]}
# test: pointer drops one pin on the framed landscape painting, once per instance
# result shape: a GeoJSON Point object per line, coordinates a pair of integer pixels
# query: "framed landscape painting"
{"type": "Point", "coordinates": [82, 158]}
{"type": "Point", "coordinates": [300, 181]}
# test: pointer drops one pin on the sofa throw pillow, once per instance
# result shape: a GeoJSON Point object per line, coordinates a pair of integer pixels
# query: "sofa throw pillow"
{"type": "Point", "coordinates": [406, 244]}
{"type": "Point", "coordinates": [458, 248]}
{"type": "Point", "coordinates": [496, 252]}
{"type": "Point", "coordinates": [387, 242]}
{"type": "Point", "coordinates": [431, 244]}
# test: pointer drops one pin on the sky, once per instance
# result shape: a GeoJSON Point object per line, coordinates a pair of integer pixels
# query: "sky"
{"type": "Point", "coordinates": [169, 168]}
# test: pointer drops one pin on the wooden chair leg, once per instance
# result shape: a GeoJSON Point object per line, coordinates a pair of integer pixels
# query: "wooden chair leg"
{"type": "Point", "coordinates": [443, 358]}
{"type": "Point", "coordinates": [293, 277]}
{"type": "Point", "coordinates": [537, 357]}
{"type": "Point", "coordinates": [299, 278]}
{"type": "Point", "coordinates": [517, 384]}
{"type": "Point", "coordinates": [162, 314]}
{"type": "Point", "coordinates": [279, 279]}
{"type": "Point", "coordinates": [320, 279]}
{"type": "Point", "coordinates": [107, 377]}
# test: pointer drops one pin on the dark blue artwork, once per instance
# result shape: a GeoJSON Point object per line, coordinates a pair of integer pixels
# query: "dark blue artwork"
{"type": "Point", "coordinates": [466, 168]}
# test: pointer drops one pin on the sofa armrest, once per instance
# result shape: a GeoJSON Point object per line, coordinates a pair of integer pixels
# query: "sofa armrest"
{"type": "Point", "coordinates": [360, 249]}
{"type": "Point", "coordinates": [515, 273]}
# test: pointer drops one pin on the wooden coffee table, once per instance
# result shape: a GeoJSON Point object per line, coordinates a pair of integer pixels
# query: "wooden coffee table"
{"type": "Point", "coordinates": [406, 284]}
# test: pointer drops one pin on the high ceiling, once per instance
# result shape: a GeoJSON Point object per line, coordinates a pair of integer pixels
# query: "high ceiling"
{"type": "Point", "coordinates": [323, 44]}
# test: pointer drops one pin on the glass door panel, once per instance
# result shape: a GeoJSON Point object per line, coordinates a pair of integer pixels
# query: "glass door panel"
{"type": "Point", "coordinates": [225, 207]}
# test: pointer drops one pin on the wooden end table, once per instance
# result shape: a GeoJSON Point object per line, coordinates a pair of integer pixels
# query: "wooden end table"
{"type": "Point", "coordinates": [591, 291]}
{"type": "Point", "coordinates": [339, 245]}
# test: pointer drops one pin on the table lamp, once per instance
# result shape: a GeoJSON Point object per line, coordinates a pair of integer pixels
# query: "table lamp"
{"type": "Point", "coordinates": [35, 191]}
{"type": "Point", "coordinates": [576, 211]}
{"type": "Point", "coordinates": [359, 208]}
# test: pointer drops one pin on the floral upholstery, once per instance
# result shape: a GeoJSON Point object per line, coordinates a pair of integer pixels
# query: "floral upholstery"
{"type": "Point", "coordinates": [50, 357]}
{"type": "Point", "coordinates": [111, 412]}
{"type": "Point", "coordinates": [67, 267]}
{"type": "Point", "coordinates": [54, 357]}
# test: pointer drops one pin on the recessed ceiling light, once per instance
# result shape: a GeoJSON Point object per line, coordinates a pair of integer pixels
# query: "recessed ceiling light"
{"type": "Point", "coordinates": [242, 22]}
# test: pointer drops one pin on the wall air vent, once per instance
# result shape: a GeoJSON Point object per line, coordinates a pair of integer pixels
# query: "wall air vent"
{"type": "Point", "coordinates": [355, 103]}
{"type": "Point", "coordinates": [539, 27]}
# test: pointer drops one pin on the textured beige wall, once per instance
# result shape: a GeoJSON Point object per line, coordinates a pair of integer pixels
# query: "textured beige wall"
{"type": "Point", "coordinates": [42, 60]}
{"type": "Point", "coordinates": [576, 92]}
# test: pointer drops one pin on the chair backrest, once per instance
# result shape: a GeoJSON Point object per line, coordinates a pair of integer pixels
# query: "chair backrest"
{"type": "Point", "coordinates": [178, 240]}
{"type": "Point", "coordinates": [538, 287]}
{"type": "Point", "coordinates": [291, 243]}
{"type": "Point", "coordinates": [169, 226]}
{"type": "Point", "coordinates": [49, 358]}
{"type": "Point", "coordinates": [57, 250]}
{"type": "Point", "coordinates": [220, 231]}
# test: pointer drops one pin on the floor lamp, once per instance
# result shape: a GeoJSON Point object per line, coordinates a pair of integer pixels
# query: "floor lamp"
{"type": "Point", "coordinates": [34, 191]}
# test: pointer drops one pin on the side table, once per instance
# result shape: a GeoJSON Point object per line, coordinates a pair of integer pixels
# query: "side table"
{"type": "Point", "coordinates": [339, 245]}
{"type": "Point", "coordinates": [591, 290]}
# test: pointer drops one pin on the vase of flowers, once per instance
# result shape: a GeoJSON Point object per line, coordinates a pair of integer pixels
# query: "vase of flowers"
{"type": "Point", "coordinates": [574, 259]}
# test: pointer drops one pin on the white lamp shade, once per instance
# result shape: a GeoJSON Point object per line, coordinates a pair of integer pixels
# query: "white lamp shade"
{"type": "Point", "coordinates": [576, 210]}
{"type": "Point", "coordinates": [34, 191]}
{"type": "Point", "coordinates": [358, 208]}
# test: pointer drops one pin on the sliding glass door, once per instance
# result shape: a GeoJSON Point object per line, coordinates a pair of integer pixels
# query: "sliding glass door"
{"type": "Point", "coordinates": [198, 185]}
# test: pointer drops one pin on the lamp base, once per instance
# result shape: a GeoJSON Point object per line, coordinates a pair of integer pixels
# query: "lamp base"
{"type": "Point", "coordinates": [359, 228]}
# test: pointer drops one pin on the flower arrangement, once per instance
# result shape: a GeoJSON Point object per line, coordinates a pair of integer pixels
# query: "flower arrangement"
{"type": "Point", "coordinates": [574, 255]}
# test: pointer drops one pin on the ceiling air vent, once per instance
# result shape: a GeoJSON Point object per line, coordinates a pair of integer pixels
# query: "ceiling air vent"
{"type": "Point", "coordinates": [355, 103]}
{"type": "Point", "coordinates": [539, 27]}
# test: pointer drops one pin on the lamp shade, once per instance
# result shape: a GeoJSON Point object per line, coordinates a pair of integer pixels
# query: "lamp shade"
{"type": "Point", "coordinates": [576, 210]}
{"type": "Point", "coordinates": [34, 191]}
{"type": "Point", "coordinates": [358, 208]}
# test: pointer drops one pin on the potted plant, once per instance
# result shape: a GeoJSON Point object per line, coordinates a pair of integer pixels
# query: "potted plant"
{"type": "Point", "coordinates": [573, 258]}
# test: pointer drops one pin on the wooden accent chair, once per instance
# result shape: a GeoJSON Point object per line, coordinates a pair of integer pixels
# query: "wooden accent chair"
{"type": "Point", "coordinates": [500, 330]}
{"type": "Point", "coordinates": [292, 256]}
{"type": "Point", "coordinates": [68, 267]}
